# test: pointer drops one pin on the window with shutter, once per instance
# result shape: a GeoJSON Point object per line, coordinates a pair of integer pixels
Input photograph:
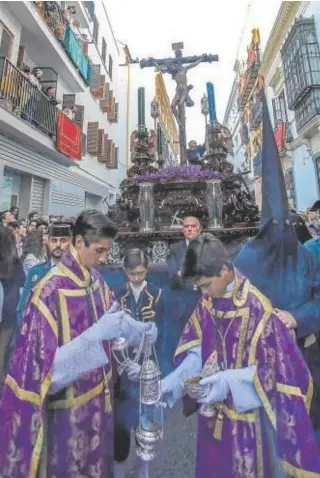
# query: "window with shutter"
{"type": "Point", "coordinates": [95, 33]}
{"type": "Point", "coordinates": [115, 112]}
{"type": "Point", "coordinates": [111, 102]}
{"type": "Point", "coordinates": [105, 146]}
{"type": "Point", "coordinates": [110, 66]}
{"type": "Point", "coordinates": [116, 158]}
{"type": "Point", "coordinates": [6, 39]}
{"type": "Point", "coordinates": [100, 144]}
{"type": "Point", "coordinates": [20, 57]}
{"type": "Point", "coordinates": [79, 115]}
{"type": "Point", "coordinates": [95, 78]}
{"type": "Point", "coordinates": [111, 163]}
{"type": "Point", "coordinates": [283, 106]}
{"type": "Point", "coordinates": [109, 153]}
{"type": "Point", "coordinates": [104, 50]}
{"type": "Point", "coordinates": [84, 144]}
{"type": "Point", "coordinates": [68, 101]}
{"type": "Point", "coordinates": [276, 110]}
{"type": "Point", "coordinates": [104, 103]}
{"type": "Point", "coordinates": [114, 163]}
{"type": "Point", "coordinates": [92, 137]}
{"type": "Point", "coordinates": [279, 107]}
{"type": "Point", "coordinates": [98, 94]}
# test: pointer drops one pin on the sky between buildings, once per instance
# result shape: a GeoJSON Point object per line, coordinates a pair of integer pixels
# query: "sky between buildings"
{"type": "Point", "coordinates": [205, 26]}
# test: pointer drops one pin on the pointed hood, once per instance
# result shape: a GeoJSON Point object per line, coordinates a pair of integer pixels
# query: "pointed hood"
{"type": "Point", "coordinates": [271, 259]}
{"type": "Point", "coordinates": [274, 195]}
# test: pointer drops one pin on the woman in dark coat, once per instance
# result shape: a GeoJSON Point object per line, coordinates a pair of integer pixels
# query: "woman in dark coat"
{"type": "Point", "coordinates": [12, 278]}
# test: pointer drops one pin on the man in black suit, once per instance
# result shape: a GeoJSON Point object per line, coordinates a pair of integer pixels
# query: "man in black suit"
{"type": "Point", "coordinates": [185, 296]}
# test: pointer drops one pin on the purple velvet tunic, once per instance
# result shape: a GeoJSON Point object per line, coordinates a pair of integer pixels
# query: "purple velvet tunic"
{"type": "Point", "coordinates": [70, 434]}
{"type": "Point", "coordinates": [241, 329]}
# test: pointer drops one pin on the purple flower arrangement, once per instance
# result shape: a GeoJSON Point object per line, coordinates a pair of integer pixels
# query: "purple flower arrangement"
{"type": "Point", "coordinates": [176, 173]}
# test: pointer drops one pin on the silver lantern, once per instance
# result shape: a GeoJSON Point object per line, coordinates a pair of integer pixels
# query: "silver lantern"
{"type": "Point", "coordinates": [214, 202]}
{"type": "Point", "coordinates": [150, 383]}
{"type": "Point", "coordinates": [147, 440]}
{"type": "Point", "coordinates": [146, 207]}
{"type": "Point", "coordinates": [120, 353]}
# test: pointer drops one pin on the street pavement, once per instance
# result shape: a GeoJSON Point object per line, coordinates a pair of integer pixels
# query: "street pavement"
{"type": "Point", "coordinates": [176, 453]}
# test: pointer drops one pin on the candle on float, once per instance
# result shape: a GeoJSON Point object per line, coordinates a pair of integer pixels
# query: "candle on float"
{"type": "Point", "coordinates": [211, 100]}
{"type": "Point", "coordinates": [141, 107]}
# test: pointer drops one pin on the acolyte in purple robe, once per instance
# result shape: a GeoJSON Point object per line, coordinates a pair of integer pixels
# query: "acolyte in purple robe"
{"type": "Point", "coordinates": [69, 434]}
{"type": "Point", "coordinates": [241, 329]}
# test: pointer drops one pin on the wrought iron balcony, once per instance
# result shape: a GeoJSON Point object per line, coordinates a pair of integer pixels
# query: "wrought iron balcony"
{"type": "Point", "coordinates": [301, 60]}
{"type": "Point", "coordinates": [72, 43]}
{"type": "Point", "coordinates": [248, 79]}
{"type": "Point", "coordinates": [24, 99]}
{"type": "Point", "coordinates": [307, 108]}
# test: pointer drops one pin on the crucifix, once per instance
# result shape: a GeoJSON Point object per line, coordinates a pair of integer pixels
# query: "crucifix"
{"type": "Point", "coordinates": [178, 68]}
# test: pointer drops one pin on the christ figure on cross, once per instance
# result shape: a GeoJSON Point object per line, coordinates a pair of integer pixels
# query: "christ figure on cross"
{"type": "Point", "coordinates": [179, 75]}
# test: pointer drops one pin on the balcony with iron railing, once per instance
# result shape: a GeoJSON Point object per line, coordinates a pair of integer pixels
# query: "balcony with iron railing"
{"type": "Point", "coordinates": [308, 108]}
{"type": "Point", "coordinates": [248, 79]}
{"type": "Point", "coordinates": [50, 40]}
{"type": "Point", "coordinates": [22, 98]}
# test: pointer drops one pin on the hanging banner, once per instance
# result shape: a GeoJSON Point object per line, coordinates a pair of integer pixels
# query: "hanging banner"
{"type": "Point", "coordinates": [69, 137]}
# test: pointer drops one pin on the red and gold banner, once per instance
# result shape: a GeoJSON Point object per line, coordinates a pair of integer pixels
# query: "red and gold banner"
{"type": "Point", "coordinates": [69, 137]}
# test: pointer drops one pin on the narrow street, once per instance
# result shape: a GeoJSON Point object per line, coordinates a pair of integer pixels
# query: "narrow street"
{"type": "Point", "coordinates": [176, 454]}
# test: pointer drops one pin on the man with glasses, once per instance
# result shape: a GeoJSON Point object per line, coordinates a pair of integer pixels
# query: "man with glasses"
{"type": "Point", "coordinates": [185, 296]}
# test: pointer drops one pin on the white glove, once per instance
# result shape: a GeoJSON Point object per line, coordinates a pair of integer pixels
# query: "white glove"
{"type": "Point", "coordinates": [237, 381]}
{"type": "Point", "coordinates": [108, 327]}
{"type": "Point", "coordinates": [169, 383]}
{"type": "Point", "coordinates": [136, 325]}
{"type": "Point", "coordinates": [152, 333]}
{"type": "Point", "coordinates": [133, 371]}
{"type": "Point", "coordinates": [219, 388]}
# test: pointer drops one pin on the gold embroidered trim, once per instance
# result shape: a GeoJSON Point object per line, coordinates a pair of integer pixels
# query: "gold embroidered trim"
{"type": "Point", "coordinates": [41, 306]}
{"type": "Point", "coordinates": [309, 393]}
{"type": "Point", "coordinates": [77, 401]}
{"type": "Point", "coordinates": [187, 346]}
{"type": "Point", "coordinates": [36, 454]}
{"type": "Point", "coordinates": [295, 391]}
{"type": "Point", "coordinates": [21, 393]}
{"type": "Point", "coordinates": [259, 445]}
{"type": "Point", "coordinates": [297, 472]}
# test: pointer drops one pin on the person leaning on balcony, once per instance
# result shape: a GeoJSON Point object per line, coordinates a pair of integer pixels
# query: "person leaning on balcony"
{"type": "Point", "coordinates": [55, 20]}
{"type": "Point", "coordinates": [69, 14]}
{"type": "Point", "coordinates": [30, 110]}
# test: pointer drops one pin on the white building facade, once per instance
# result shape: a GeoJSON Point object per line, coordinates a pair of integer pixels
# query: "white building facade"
{"type": "Point", "coordinates": [290, 68]}
{"type": "Point", "coordinates": [79, 60]}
